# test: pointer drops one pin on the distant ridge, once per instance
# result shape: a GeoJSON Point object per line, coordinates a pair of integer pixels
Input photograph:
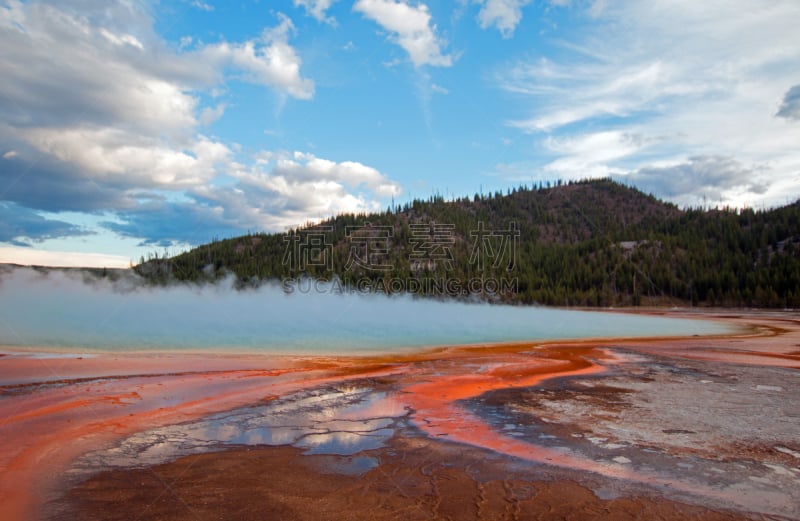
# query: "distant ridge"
{"type": "Point", "coordinates": [586, 243]}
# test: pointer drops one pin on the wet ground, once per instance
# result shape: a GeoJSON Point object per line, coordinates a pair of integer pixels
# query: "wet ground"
{"type": "Point", "coordinates": [660, 429]}
{"type": "Point", "coordinates": [418, 479]}
{"type": "Point", "coordinates": [728, 433]}
{"type": "Point", "coordinates": [338, 420]}
{"type": "Point", "coordinates": [639, 418]}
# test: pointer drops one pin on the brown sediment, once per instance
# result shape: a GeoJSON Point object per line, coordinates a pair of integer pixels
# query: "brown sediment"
{"type": "Point", "coordinates": [63, 408]}
{"type": "Point", "coordinates": [417, 479]}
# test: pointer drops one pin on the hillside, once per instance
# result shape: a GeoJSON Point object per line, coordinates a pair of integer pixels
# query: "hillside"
{"type": "Point", "coordinates": [590, 243]}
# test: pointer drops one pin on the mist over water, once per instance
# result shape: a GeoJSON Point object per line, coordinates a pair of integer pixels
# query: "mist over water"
{"type": "Point", "coordinates": [74, 311]}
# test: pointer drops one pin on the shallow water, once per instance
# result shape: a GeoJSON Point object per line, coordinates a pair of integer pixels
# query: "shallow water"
{"type": "Point", "coordinates": [61, 311]}
{"type": "Point", "coordinates": [340, 421]}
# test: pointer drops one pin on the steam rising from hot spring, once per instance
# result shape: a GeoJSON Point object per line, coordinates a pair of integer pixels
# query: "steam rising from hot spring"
{"type": "Point", "coordinates": [76, 311]}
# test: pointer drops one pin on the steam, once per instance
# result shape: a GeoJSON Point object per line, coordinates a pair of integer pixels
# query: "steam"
{"type": "Point", "coordinates": [78, 310]}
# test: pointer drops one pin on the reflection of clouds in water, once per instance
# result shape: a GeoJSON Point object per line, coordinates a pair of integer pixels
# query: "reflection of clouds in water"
{"type": "Point", "coordinates": [338, 439]}
{"type": "Point", "coordinates": [379, 404]}
{"type": "Point", "coordinates": [328, 421]}
{"type": "Point", "coordinates": [358, 425]}
{"type": "Point", "coordinates": [221, 432]}
{"type": "Point", "coordinates": [156, 450]}
{"type": "Point", "coordinates": [344, 443]}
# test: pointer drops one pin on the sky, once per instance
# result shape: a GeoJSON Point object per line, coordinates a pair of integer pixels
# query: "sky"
{"type": "Point", "coordinates": [133, 126]}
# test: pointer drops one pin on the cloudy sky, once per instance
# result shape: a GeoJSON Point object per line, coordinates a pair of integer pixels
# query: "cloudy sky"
{"type": "Point", "coordinates": [130, 125]}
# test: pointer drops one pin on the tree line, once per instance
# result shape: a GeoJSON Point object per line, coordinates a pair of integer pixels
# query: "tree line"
{"type": "Point", "coordinates": [584, 243]}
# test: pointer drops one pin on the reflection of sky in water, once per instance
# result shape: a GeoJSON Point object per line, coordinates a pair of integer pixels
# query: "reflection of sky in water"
{"type": "Point", "coordinates": [61, 311]}
{"type": "Point", "coordinates": [341, 422]}
{"type": "Point", "coordinates": [344, 443]}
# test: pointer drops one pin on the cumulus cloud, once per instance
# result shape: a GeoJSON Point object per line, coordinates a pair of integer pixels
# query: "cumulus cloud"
{"type": "Point", "coordinates": [287, 189]}
{"type": "Point", "coordinates": [790, 106]}
{"type": "Point", "coordinates": [410, 27]}
{"type": "Point", "coordinates": [304, 167]}
{"type": "Point", "coordinates": [102, 72]}
{"type": "Point", "coordinates": [269, 61]}
{"type": "Point", "coordinates": [505, 15]}
{"type": "Point", "coordinates": [105, 63]}
{"type": "Point", "coordinates": [99, 109]}
{"type": "Point", "coordinates": [63, 67]}
{"type": "Point", "coordinates": [691, 80]}
{"type": "Point", "coordinates": [98, 114]}
{"type": "Point", "coordinates": [211, 114]}
{"type": "Point", "coordinates": [134, 160]}
{"type": "Point", "coordinates": [279, 191]}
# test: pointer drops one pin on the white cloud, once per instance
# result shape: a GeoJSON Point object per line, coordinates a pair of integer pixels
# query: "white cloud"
{"type": "Point", "coordinates": [503, 14]}
{"type": "Point", "coordinates": [597, 146]}
{"type": "Point", "coordinates": [411, 29]}
{"type": "Point", "coordinates": [690, 80]}
{"type": "Point", "coordinates": [67, 67]}
{"type": "Point", "coordinates": [274, 191]}
{"type": "Point", "coordinates": [113, 113]}
{"type": "Point", "coordinates": [129, 159]}
{"type": "Point", "coordinates": [59, 68]}
{"type": "Point", "coordinates": [317, 8]}
{"type": "Point", "coordinates": [590, 155]}
{"type": "Point", "coordinates": [269, 61]}
{"type": "Point", "coordinates": [595, 90]}
{"type": "Point", "coordinates": [122, 39]}
{"type": "Point", "coordinates": [282, 190]}
{"type": "Point", "coordinates": [210, 115]}
{"type": "Point", "coordinates": [112, 107]}
{"type": "Point", "coordinates": [307, 167]}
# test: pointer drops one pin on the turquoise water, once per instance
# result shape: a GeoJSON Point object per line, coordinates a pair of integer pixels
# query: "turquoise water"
{"type": "Point", "coordinates": [58, 311]}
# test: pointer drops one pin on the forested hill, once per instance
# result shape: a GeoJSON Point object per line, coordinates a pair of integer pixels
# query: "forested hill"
{"type": "Point", "coordinates": [590, 243]}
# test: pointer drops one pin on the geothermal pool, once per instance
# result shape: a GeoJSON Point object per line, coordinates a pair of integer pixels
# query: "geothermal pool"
{"type": "Point", "coordinates": [110, 390]}
{"type": "Point", "coordinates": [62, 310]}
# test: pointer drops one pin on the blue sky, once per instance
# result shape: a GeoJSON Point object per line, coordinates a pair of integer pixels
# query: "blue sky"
{"type": "Point", "coordinates": [129, 126]}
